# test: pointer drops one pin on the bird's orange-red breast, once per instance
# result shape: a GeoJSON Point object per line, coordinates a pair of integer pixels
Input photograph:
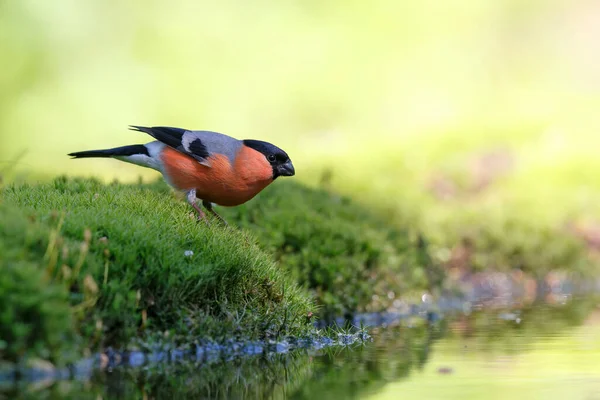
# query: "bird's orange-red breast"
{"type": "Point", "coordinates": [207, 165]}
{"type": "Point", "coordinates": [222, 183]}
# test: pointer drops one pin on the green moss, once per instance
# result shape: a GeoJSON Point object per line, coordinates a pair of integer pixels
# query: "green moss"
{"type": "Point", "coordinates": [112, 259]}
{"type": "Point", "coordinates": [35, 317]}
{"type": "Point", "coordinates": [339, 249]}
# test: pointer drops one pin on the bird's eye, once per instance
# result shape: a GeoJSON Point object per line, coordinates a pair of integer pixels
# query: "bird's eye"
{"type": "Point", "coordinates": [271, 158]}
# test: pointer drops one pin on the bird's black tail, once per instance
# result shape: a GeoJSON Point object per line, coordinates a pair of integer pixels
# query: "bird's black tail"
{"type": "Point", "coordinates": [116, 152]}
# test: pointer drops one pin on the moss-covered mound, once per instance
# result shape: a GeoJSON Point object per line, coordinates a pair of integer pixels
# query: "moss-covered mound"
{"type": "Point", "coordinates": [88, 265]}
{"type": "Point", "coordinates": [85, 265]}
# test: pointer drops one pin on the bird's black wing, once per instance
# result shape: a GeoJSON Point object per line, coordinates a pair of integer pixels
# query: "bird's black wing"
{"type": "Point", "coordinates": [181, 140]}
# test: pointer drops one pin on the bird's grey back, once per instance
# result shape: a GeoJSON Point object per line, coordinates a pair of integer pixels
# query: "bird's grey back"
{"type": "Point", "coordinates": [215, 143]}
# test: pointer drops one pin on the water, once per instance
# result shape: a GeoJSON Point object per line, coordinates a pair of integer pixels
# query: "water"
{"type": "Point", "coordinates": [548, 350]}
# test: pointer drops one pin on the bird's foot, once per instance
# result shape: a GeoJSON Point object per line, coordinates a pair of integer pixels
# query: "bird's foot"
{"type": "Point", "coordinates": [221, 219]}
{"type": "Point", "coordinates": [191, 198]}
{"type": "Point", "coordinates": [208, 206]}
{"type": "Point", "coordinates": [200, 215]}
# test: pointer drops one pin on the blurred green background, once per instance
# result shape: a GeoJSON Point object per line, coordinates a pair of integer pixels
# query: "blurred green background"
{"type": "Point", "coordinates": [437, 106]}
{"type": "Point", "coordinates": [464, 119]}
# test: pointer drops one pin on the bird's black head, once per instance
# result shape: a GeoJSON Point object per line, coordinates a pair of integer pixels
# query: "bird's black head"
{"type": "Point", "coordinates": [279, 160]}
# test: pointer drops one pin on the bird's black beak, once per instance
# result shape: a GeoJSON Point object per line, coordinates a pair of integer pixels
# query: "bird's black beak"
{"type": "Point", "coordinates": [286, 169]}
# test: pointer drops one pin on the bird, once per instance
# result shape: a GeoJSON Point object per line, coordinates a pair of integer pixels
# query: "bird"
{"type": "Point", "coordinates": [208, 166]}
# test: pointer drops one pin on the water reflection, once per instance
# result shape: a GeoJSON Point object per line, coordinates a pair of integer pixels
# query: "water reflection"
{"type": "Point", "coordinates": [556, 355]}
{"type": "Point", "coordinates": [463, 356]}
{"type": "Point", "coordinates": [395, 353]}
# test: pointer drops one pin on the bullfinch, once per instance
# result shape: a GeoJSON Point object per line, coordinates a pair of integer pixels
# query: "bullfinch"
{"type": "Point", "coordinates": [210, 166]}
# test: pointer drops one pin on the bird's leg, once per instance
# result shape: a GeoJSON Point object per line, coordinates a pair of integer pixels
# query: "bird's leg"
{"type": "Point", "coordinates": [208, 206]}
{"type": "Point", "coordinates": [191, 198]}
